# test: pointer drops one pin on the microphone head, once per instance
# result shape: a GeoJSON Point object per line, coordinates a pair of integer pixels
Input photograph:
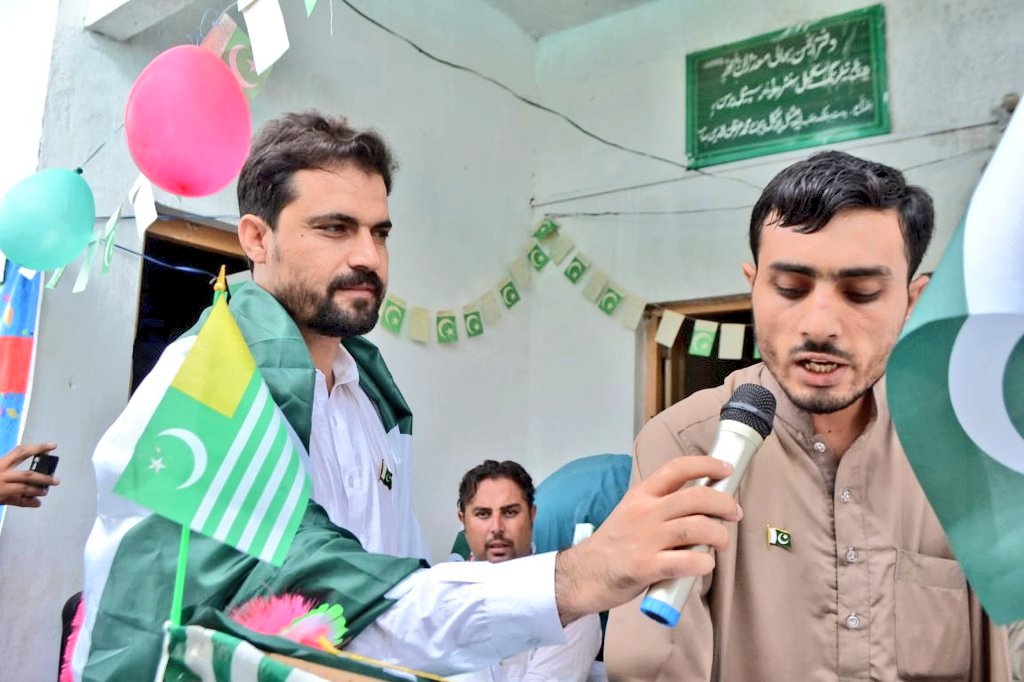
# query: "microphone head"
{"type": "Point", "coordinates": [752, 405]}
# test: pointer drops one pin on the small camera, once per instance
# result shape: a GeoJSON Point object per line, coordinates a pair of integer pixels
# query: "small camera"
{"type": "Point", "coordinates": [44, 464]}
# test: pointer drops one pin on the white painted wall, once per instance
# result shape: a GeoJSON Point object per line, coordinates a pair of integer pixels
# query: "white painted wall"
{"type": "Point", "coordinates": [623, 77]}
{"type": "Point", "coordinates": [554, 379]}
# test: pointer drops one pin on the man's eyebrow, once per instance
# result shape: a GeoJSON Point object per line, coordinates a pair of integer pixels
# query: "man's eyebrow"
{"type": "Point", "coordinates": [510, 507]}
{"type": "Point", "coordinates": [343, 218]}
{"type": "Point", "coordinates": [843, 273]}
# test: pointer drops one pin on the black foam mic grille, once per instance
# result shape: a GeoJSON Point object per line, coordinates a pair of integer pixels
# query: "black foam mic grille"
{"type": "Point", "coordinates": [752, 405]}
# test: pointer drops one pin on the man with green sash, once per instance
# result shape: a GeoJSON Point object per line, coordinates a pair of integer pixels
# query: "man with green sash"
{"type": "Point", "coordinates": [313, 198]}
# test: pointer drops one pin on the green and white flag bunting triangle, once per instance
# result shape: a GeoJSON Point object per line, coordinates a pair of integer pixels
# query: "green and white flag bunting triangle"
{"type": "Point", "coordinates": [668, 328]}
{"type": "Point", "coordinates": [730, 343]}
{"type": "Point", "coordinates": [559, 248]}
{"type": "Point", "coordinates": [392, 314]}
{"type": "Point", "coordinates": [632, 311]}
{"type": "Point", "coordinates": [489, 308]}
{"type": "Point", "coordinates": [447, 329]}
{"type": "Point", "coordinates": [473, 320]}
{"type": "Point", "coordinates": [520, 271]}
{"type": "Point", "coordinates": [595, 286]}
{"type": "Point", "coordinates": [955, 385]}
{"type": "Point", "coordinates": [419, 325]}
{"type": "Point", "coordinates": [703, 337]}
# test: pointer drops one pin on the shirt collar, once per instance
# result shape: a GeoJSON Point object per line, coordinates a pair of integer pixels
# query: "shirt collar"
{"type": "Point", "coordinates": [344, 366]}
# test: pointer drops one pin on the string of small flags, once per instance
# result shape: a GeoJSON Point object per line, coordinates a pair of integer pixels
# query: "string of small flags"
{"type": "Point", "coordinates": [731, 336]}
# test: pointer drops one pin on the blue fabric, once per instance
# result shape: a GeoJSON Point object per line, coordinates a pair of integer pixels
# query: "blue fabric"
{"type": "Point", "coordinates": [584, 490]}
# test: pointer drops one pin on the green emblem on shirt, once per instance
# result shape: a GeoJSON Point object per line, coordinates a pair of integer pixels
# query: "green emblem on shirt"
{"type": "Point", "coordinates": [779, 537]}
{"type": "Point", "coordinates": [385, 474]}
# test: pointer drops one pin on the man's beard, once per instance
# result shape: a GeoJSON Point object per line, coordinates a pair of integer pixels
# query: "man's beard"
{"type": "Point", "coordinates": [819, 403]}
{"type": "Point", "coordinates": [322, 315]}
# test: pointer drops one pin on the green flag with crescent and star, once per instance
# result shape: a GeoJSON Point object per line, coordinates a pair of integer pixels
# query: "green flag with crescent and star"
{"type": "Point", "coordinates": [217, 455]}
{"type": "Point", "coordinates": [956, 385]}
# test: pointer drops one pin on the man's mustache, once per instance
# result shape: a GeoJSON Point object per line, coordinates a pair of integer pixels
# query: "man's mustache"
{"type": "Point", "coordinates": [357, 278]}
{"type": "Point", "coordinates": [824, 347]}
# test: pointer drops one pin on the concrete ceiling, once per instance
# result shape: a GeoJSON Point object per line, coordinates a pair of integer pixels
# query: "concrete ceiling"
{"type": "Point", "coordinates": [540, 17]}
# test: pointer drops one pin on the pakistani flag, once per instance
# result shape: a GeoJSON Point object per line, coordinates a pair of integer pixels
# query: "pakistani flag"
{"type": "Point", "coordinates": [217, 455]}
{"type": "Point", "coordinates": [956, 385]}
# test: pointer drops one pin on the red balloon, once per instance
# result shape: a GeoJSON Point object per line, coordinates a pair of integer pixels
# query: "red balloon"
{"type": "Point", "coordinates": [187, 122]}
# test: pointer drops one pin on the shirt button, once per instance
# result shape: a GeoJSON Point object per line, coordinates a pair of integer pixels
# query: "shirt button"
{"type": "Point", "coordinates": [846, 495]}
{"type": "Point", "coordinates": [351, 481]}
{"type": "Point", "coordinates": [853, 621]}
{"type": "Point", "coordinates": [819, 446]}
{"type": "Point", "coordinates": [852, 556]}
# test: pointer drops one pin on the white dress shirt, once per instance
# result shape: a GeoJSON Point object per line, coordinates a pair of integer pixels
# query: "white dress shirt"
{"type": "Point", "coordinates": [463, 616]}
{"type": "Point", "coordinates": [361, 476]}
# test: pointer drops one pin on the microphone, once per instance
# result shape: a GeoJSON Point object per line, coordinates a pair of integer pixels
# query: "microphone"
{"type": "Point", "coordinates": [745, 422]}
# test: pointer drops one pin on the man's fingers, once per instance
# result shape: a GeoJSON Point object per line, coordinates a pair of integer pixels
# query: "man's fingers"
{"type": "Point", "coordinates": [695, 530]}
{"type": "Point", "coordinates": [679, 471]}
{"type": "Point", "coordinates": [32, 478]}
{"type": "Point", "coordinates": [700, 500]}
{"type": "Point", "coordinates": [23, 452]}
{"type": "Point", "coordinates": [22, 501]}
{"type": "Point", "coordinates": [681, 563]}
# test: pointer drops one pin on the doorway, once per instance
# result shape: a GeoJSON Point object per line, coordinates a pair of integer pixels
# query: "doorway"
{"type": "Point", "coordinates": [180, 262]}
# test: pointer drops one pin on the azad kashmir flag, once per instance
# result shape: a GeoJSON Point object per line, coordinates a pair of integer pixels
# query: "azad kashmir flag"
{"type": "Point", "coordinates": [217, 456]}
{"type": "Point", "coordinates": [956, 385]}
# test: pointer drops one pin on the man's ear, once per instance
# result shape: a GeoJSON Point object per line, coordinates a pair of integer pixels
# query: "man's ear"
{"type": "Point", "coordinates": [533, 514]}
{"type": "Point", "coordinates": [254, 235]}
{"type": "Point", "coordinates": [914, 292]}
{"type": "Point", "coordinates": [749, 271]}
{"type": "Point", "coordinates": [462, 518]}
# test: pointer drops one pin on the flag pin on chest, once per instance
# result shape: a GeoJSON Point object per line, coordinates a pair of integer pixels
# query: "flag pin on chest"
{"type": "Point", "coordinates": [384, 474]}
{"type": "Point", "coordinates": [779, 537]}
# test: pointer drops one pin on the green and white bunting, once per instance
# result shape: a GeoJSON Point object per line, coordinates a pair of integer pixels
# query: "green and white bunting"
{"type": "Point", "coordinates": [632, 311]}
{"type": "Point", "coordinates": [703, 338]}
{"type": "Point", "coordinates": [520, 270]}
{"type": "Point", "coordinates": [609, 299]}
{"type": "Point", "coordinates": [537, 257]}
{"type": "Point", "coordinates": [447, 329]}
{"type": "Point", "coordinates": [668, 328]}
{"type": "Point", "coordinates": [576, 268]}
{"type": "Point", "coordinates": [955, 383]}
{"type": "Point", "coordinates": [419, 325]}
{"type": "Point", "coordinates": [489, 308]}
{"type": "Point", "coordinates": [509, 293]}
{"type": "Point", "coordinates": [560, 247]}
{"type": "Point", "coordinates": [392, 314]}
{"type": "Point", "coordinates": [473, 320]}
{"type": "Point", "coordinates": [730, 343]}
{"type": "Point", "coordinates": [595, 286]}
{"type": "Point", "coordinates": [545, 228]}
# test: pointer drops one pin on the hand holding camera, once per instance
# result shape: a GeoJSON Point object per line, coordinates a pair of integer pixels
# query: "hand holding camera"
{"type": "Point", "coordinates": [24, 487]}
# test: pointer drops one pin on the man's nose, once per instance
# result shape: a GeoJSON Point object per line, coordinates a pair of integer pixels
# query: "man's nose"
{"type": "Point", "coordinates": [364, 251]}
{"type": "Point", "coordinates": [820, 319]}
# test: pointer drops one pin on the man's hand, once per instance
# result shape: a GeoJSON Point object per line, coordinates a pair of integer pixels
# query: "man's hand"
{"type": "Point", "coordinates": [20, 487]}
{"type": "Point", "coordinates": [644, 540]}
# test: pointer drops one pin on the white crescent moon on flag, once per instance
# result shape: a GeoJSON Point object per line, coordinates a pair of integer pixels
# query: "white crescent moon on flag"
{"type": "Point", "coordinates": [233, 65]}
{"type": "Point", "coordinates": [977, 365]}
{"type": "Point", "coordinates": [198, 453]}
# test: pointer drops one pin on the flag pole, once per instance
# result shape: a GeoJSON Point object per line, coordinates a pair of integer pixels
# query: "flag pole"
{"type": "Point", "coordinates": [219, 290]}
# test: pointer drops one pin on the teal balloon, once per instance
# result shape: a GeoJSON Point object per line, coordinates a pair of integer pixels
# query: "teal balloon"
{"type": "Point", "coordinates": [47, 219]}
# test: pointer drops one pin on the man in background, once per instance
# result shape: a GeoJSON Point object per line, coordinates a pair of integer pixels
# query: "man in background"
{"type": "Point", "coordinates": [840, 569]}
{"type": "Point", "coordinates": [497, 511]}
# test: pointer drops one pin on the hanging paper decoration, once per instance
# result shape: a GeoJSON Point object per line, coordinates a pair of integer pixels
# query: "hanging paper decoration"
{"type": "Point", "coordinates": [609, 299]}
{"type": "Point", "coordinates": [668, 328]}
{"type": "Point", "coordinates": [538, 259]}
{"type": "Point", "coordinates": [393, 314]}
{"type": "Point", "coordinates": [520, 270]}
{"type": "Point", "coordinates": [232, 45]}
{"type": "Point", "coordinates": [757, 352]}
{"type": "Point", "coordinates": [419, 325]}
{"type": "Point", "coordinates": [473, 320]}
{"type": "Point", "coordinates": [447, 330]}
{"type": "Point", "coordinates": [576, 268]}
{"type": "Point", "coordinates": [595, 286]}
{"type": "Point", "coordinates": [489, 308]}
{"type": "Point", "coordinates": [509, 293]}
{"type": "Point", "coordinates": [730, 343]}
{"type": "Point", "coordinates": [559, 248]}
{"type": "Point", "coordinates": [632, 311]}
{"type": "Point", "coordinates": [545, 229]}
{"type": "Point", "coordinates": [703, 338]}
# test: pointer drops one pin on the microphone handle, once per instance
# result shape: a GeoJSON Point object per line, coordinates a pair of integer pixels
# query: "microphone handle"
{"type": "Point", "coordinates": [735, 443]}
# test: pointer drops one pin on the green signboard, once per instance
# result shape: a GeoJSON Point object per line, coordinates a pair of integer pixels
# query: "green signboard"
{"type": "Point", "coordinates": [803, 86]}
